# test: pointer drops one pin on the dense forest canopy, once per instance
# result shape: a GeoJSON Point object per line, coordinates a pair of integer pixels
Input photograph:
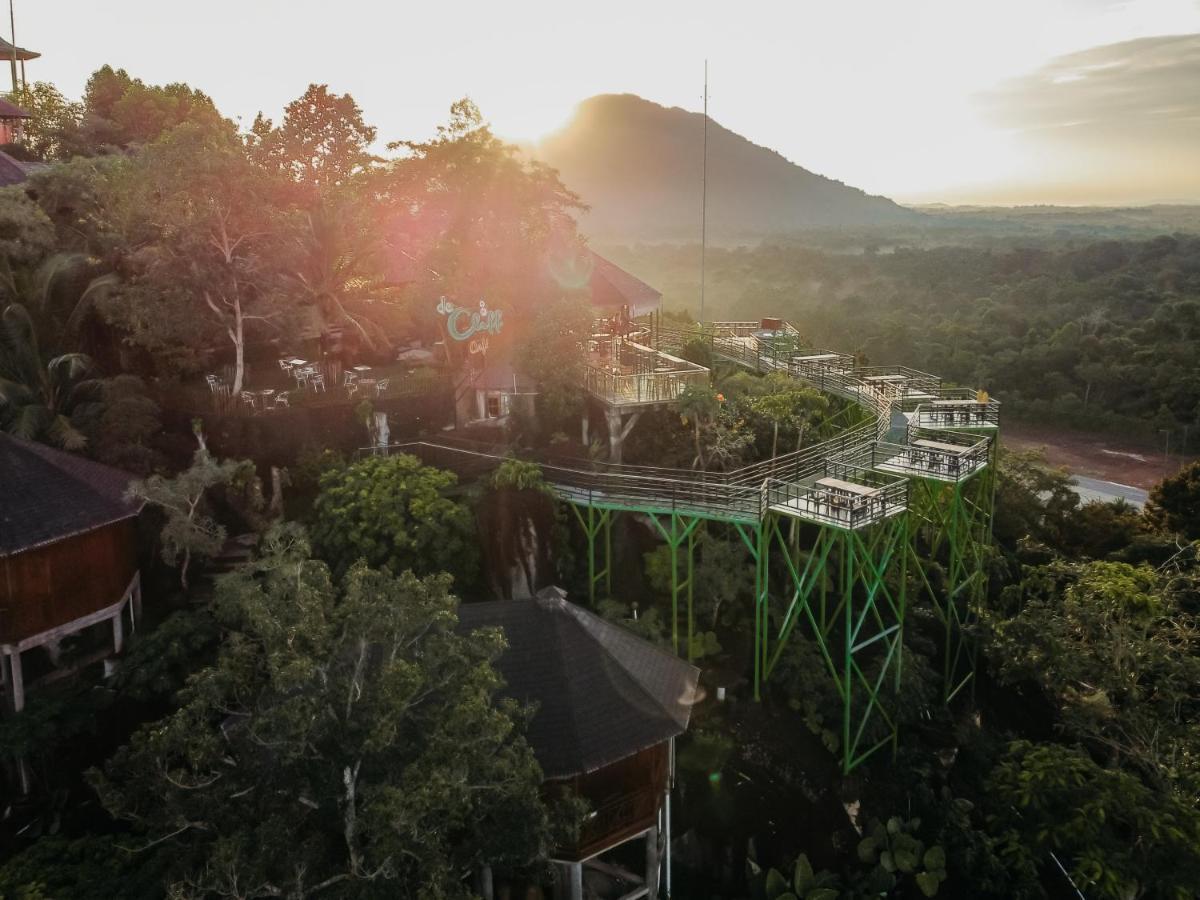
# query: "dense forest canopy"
{"type": "Point", "coordinates": [1094, 335]}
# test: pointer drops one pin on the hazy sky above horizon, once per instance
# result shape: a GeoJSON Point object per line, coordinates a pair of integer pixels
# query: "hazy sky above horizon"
{"type": "Point", "coordinates": [1004, 101]}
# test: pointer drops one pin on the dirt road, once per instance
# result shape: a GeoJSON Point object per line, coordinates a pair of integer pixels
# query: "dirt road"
{"type": "Point", "coordinates": [1095, 456]}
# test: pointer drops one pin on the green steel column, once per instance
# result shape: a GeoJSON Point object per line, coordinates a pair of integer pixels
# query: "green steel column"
{"type": "Point", "coordinates": [595, 522]}
{"type": "Point", "coordinates": [681, 531]}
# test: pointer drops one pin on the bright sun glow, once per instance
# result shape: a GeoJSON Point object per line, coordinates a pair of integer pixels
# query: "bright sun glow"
{"type": "Point", "coordinates": [889, 97]}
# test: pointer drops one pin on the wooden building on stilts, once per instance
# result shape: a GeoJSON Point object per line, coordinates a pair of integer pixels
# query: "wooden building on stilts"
{"type": "Point", "coordinates": [609, 706]}
{"type": "Point", "coordinates": [68, 559]}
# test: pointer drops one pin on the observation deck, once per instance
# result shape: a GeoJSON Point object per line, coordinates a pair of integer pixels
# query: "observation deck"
{"type": "Point", "coordinates": [623, 373]}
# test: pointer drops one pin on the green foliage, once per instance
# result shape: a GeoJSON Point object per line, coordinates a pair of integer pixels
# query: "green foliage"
{"type": "Point", "coordinates": [804, 885]}
{"type": "Point", "coordinates": [158, 661]}
{"type": "Point", "coordinates": [347, 734]}
{"type": "Point", "coordinates": [519, 475]}
{"type": "Point", "coordinates": [648, 624]}
{"type": "Point", "coordinates": [52, 119]}
{"type": "Point", "coordinates": [1174, 502]}
{"type": "Point", "coordinates": [394, 512]}
{"type": "Point", "coordinates": [91, 867]}
{"type": "Point", "coordinates": [190, 532]}
{"type": "Point", "coordinates": [897, 855]}
{"type": "Point", "coordinates": [1117, 837]}
{"type": "Point", "coordinates": [705, 751]}
{"type": "Point", "coordinates": [38, 396]}
{"type": "Point", "coordinates": [322, 142]}
{"type": "Point", "coordinates": [120, 112]}
{"type": "Point", "coordinates": [1114, 648]}
{"type": "Point", "coordinates": [550, 352]}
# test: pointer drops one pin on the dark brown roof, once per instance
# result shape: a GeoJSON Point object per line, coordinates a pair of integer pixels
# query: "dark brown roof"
{"type": "Point", "coordinates": [49, 495]}
{"type": "Point", "coordinates": [601, 692]}
{"type": "Point", "coordinates": [11, 171]}
{"type": "Point", "coordinates": [612, 287]}
{"type": "Point", "coordinates": [6, 52]}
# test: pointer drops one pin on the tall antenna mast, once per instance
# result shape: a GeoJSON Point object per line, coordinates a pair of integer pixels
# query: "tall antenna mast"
{"type": "Point", "coordinates": [704, 194]}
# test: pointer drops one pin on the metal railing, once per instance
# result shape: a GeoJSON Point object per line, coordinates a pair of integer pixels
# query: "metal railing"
{"type": "Point", "coordinates": [784, 481]}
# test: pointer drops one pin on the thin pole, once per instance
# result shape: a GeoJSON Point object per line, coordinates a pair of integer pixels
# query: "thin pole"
{"type": "Point", "coordinates": [12, 24]}
{"type": "Point", "coordinates": [703, 193]}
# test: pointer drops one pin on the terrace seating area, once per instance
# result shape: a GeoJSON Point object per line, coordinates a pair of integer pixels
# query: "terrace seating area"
{"type": "Point", "coordinates": [294, 381]}
{"type": "Point", "coordinates": [940, 460]}
{"type": "Point", "coordinates": [847, 496]}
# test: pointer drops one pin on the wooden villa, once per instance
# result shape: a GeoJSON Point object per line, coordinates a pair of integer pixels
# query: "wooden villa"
{"type": "Point", "coordinates": [609, 706]}
{"type": "Point", "coordinates": [68, 557]}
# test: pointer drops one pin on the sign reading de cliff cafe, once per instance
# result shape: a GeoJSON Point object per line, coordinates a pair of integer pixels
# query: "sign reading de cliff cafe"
{"type": "Point", "coordinates": [471, 325]}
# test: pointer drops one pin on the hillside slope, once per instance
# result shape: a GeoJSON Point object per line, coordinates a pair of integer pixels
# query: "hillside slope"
{"type": "Point", "coordinates": [638, 165]}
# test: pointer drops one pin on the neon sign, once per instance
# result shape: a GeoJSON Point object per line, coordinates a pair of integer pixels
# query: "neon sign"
{"type": "Point", "coordinates": [471, 325]}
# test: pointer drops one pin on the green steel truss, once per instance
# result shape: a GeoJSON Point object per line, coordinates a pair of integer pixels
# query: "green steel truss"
{"type": "Point", "coordinates": [596, 523]}
{"type": "Point", "coordinates": [679, 531]}
{"type": "Point", "coordinates": [848, 593]}
{"type": "Point", "coordinates": [953, 528]}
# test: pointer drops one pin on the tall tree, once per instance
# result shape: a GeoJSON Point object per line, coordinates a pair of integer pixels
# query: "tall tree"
{"type": "Point", "coordinates": [482, 219]}
{"type": "Point", "coordinates": [214, 268]}
{"type": "Point", "coordinates": [347, 743]}
{"type": "Point", "coordinates": [322, 142]}
{"type": "Point", "coordinates": [52, 120]}
{"type": "Point", "coordinates": [120, 112]}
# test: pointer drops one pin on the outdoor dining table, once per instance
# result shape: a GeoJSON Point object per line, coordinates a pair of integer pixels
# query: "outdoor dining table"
{"type": "Point", "coordinates": [360, 369]}
{"type": "Point", "coordinates": [296, 361]}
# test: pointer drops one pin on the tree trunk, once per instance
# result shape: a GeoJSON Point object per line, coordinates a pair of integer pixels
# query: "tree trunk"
{"type": "Point", "coordinates": [183, 569]}
{"type": "Point", "coordinates": [239, 344]}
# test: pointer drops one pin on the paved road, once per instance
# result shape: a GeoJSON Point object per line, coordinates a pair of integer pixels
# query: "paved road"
{"type": "Point", "coordinates": [1104, 491]}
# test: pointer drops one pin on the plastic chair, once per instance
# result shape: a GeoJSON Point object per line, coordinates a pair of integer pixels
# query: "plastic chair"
{"type": "Point", "coordinates": [317, 381]}
{"type": "Point", "coordinates": [382, 385]}
{"type": "Point", "coordinates": [248, 400]}
{"type": "Point", "coordinates": [281, 399]}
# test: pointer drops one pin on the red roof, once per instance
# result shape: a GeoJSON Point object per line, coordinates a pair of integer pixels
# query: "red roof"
{"type": "Point", "coordinates": [612, 287]}
{"type": "Point", "coordinates": [9, 110]}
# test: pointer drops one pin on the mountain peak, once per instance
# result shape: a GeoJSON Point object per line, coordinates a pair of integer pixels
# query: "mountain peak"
{"type": "Point", "coordinates": [638, 164]}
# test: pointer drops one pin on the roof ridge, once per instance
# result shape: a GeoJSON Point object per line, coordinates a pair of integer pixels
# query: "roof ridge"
{"type": "Point", "coordinates": [590, 623]}
{"type": "Point", "coordinates": [548, 609]}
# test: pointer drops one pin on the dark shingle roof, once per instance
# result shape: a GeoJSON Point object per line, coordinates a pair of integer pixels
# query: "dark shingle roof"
{"type": "Point", "coordinates": [613, 287]}
{"type": "Point", "coordinates": [47, 495]}
{"type": "Point", "coordinates": [11, 171]}
{"type": "Point", "coordinates": [601, 692]}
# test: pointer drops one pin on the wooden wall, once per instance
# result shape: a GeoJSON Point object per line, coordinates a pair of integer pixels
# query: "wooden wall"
{"type": "Point", "coordinates": [624, 798]}
{"type": "Point", "coordinates": [55, 584]}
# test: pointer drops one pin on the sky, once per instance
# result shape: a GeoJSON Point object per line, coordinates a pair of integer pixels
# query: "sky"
{"type": "Point", "coordinates": [953, 101]}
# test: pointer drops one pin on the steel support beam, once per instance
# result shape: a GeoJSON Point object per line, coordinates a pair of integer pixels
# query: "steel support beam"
{"type": "Point", "coordinates": [848, 593]}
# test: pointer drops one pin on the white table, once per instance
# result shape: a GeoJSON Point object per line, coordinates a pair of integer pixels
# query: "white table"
{"type": "Point", "coordinates": [956, 449]}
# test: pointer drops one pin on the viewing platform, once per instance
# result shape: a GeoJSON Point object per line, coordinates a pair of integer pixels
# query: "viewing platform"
{"type": "Point", "coordinates": [844, 496]}
{"type": "Point", "coordinates": [956, 408]}
{"type": "Point", "coordinates": [944, 457]}
{"type": "Point", "coordinates": [622, 373]}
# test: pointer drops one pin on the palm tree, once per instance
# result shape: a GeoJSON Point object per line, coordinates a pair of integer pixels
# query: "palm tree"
{"type": "Point", "coordinates": [339, 269]}
{"type": "Point", "coordinates": [37, 397]}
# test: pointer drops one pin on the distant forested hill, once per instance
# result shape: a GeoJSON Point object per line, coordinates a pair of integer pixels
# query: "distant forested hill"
{"type": "Point", "coordinates": [638, 165]}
